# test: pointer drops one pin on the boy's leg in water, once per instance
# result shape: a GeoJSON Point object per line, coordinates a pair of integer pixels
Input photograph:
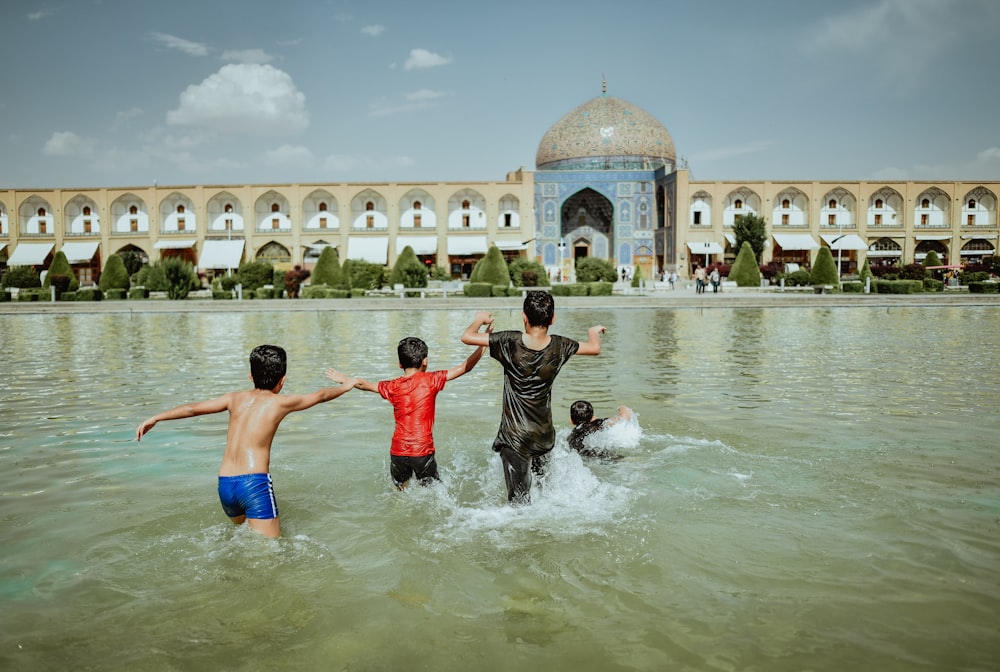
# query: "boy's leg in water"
{"type": "Point", "coordinates": [517, 475]}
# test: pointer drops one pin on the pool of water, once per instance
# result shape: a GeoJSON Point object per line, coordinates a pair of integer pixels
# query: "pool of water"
{"type": "Point", "coordinates": [804, 488]}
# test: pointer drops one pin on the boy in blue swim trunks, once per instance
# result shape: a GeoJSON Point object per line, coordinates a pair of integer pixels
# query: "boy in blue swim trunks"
{"type": "Point", "coordinates": [413, 396]}
{"type": "Point", "coordinates": [245, 487]}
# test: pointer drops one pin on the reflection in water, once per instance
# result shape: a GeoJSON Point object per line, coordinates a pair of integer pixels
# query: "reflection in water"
{"type": "Point", "coordinates": [806, 488]}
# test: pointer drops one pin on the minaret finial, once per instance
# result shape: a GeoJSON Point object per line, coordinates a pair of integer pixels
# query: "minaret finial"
{"type": "Point", "coordinates": [604, 85]}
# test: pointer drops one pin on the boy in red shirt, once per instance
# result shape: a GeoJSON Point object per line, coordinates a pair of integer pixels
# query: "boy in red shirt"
{"type": "Point", "coordinates": [412, 396]}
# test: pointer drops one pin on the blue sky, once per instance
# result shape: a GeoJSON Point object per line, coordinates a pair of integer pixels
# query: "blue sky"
{"type": "Point", "coordinates": [109, 93]}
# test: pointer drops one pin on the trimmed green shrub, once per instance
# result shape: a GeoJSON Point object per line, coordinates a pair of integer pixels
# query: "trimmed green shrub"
{"type": "Point", "coordinates": [745, 271]}
{"type": "Point", "coordinates": [637, 276]}
{"type": "Point", "coordinates": [222, 294]}
{"type": "Point", "coordinates": [866, 272]}
{"type": "Point", "coordinates": [4, 296]}
{"type": "Point", "coordinates": [932, 285]}
{"type": "Point", "coordinates": [61, 283]}
{"type": "Point", "coordinates": [898, 286]}
{"type": "Point", "coordinates": [984, 287]}
{"type": "Point", "coordinates": [26, 295]}
{"type": "Point", "coordinates": [21, 277]}
{"type": "Point", "coordinates": [114, 275]}
{"type": "Point", "coordinates": [499, 290]}
{"type": "Point", "coordinates": [360, 274]}
{"type": "Point", "coordinates": [408, 270]}
{"type": "Point", "coordinates": [600, 288]}
{"type": "Point", "coordinates": [116, 294]}
{"type": "Point", "coordinates": [513, 291]}
{"type": "Point", "coordinates": [180, 277]}
{"type": "Point", "coordinates": [67, 296]}
{"type": "Point", "coordinates": [60, 266]}
{"type": "Point", "coordinates": [824, 270]}
{"type": "Point", "coordinates": [578, 288]}
{"type": "Point", "coordinates": [592, 269]}
{"type": "Point", "coordinates": [478, 289]}
{"type": "Point", "coordinates": [327, 270]}
{"type": "Point", "coordinates": [528, 273]}
{"type": "Point", "coordinates": [799, 278]}
{"type": "Point", "coordinates": [89, 294]}
{"type": "Point", "coordinates": [853, 287]}
{"type": "Point", "coordinates": [314, 292]}
{"type": "Point", "coordinates": [255, 274]}
{"type": "Point", "coordinates": [491, 269]}
{"type": "Point", "coordinates": [338, 293]}
{"type": "Point", "coordinates": [560, 290]}
{"type": "Point", "coordinates": [227, 283]}
{"type": "Point", "coordinates": [932, 259]}
{"type": "Point", "coordinates": [138, 293]}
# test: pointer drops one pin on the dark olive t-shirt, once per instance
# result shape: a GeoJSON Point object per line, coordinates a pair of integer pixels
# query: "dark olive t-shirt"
{"type": "Point", "coordinates": [526, 420]}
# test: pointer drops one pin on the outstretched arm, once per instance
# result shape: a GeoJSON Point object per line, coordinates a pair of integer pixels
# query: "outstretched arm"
{"type": "Point", "coordinates": [339, 377]}
{"type": "Point", "coordinates": [300, 402]}
{"type": "Point", "coordinates": [624, 413]}
{"type": "Point", "coordinates": [472, 335]}
{"type": "Point", "coordinates": [477, 354]}
{"type": "Point", "coordinates": [592, 346]}
{"type": "Point", "coordinates": [184, 411]}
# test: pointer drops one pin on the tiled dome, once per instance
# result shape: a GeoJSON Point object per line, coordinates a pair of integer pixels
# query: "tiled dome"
{"type": "Point", "coordinates": [606, 133]}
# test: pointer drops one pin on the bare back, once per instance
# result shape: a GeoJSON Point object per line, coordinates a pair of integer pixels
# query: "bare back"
{"type": "Point", "coordinates": [254, 416]}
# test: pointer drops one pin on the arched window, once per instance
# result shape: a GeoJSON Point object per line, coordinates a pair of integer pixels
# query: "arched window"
{"type": "Point", "coordinates": [133, 210]}
{"type": "Point", "coordinates": [925, 203]}
{"type": "Point", "coordinates": [322, 207]}
{"type": "Point", "coordinates": [369, 206]}
{"type": "Point", "coordinates": [275, 207]}
{"type": "Point", "coordinates": [41, 212]}
{"type": "Point", "coordinates": [878, 203]}
{"type": "Point", "coordinates": [180, 209]}
{"type": "Point", "coordinates": [832, 204]}
{"type": "Point", "coordinates": [465, 204]}
{"type": "Point", "coordinates": [738, 204]}
{"type": "Point", "coordinates": [86, 211]}
{"type": "Point", "coordinates": [416, 205]}
{"type": "Point", "coordinates": [785, 204]}
{"type": "Point", "coordinates": [972, 204]}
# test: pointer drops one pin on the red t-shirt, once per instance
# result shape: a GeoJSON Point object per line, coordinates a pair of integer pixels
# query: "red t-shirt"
{"type": "Point", "coordinates": [412, 399]}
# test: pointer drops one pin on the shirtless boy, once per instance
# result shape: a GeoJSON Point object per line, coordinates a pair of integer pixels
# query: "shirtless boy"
{"type": "Point", "coordinates": [245, 487]}
{"type": "Point", "coordinates": [531, 360]}
{"type": "Point", "coordinates": [413, 396]}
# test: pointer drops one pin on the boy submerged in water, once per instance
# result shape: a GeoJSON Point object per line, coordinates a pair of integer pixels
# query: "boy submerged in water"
{"type": "Point", "coordinates": [245, 487]}
{"type": "Point", "coordinates": [585, 423]}
{"type": "Point", "coordinates": [412, 396]}
{"type": "Point", "coordinates": [531, 360]}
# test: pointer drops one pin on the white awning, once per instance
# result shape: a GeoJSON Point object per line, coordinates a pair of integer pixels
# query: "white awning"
{"type": "Point", "coordinates": [80, 253]}
{"type": "Point", "coordinates": [374, 249]}
{"type": "Point", "coordinates": [933, 237]}
{"type": "Point", "coordinates": [420, 244]}
{"type": "Point", "coordinates": [795, 241]}
{"type": "Point", "coordinates": [30, 254]}
{"type": "Point", "coordinates": [705, 248]}
{"type": "Point", "coordinates": [221, 254]}
{"type": "Point", "coordinates": [731, 237]}
{"type": "Point", "coordinates": [847, 242]}
{"type": "Point", "coordinates": [168, 244]}
{"type": "Point", "coordinates": [977, 253]}
{"type": "Point", "coordinates": [509, 243]}
{"type": "Point", "coordinates": [465, 245]}
{"type": "Point", "coordinates": [979, 236]}
{"type": "Point", "coordinates": [885, 253]}
{"type": "Point", "coordinates": [317, 248]}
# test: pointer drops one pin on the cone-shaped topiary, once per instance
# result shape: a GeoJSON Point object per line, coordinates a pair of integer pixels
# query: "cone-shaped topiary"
{"type": "Point", "coordinates": [637, 276]}
{"type": "Point", "coordinates": [866, 272]}
{"type": "Point", "coordinates": [932, 259]}
{"type": "Point", "coordinates": [115, 275]}
{"type": "Point", "coordinates": [327, 270]}
{"type": "Point", "coordinates": [744, 270]}
{"type": "Point", "coordinates": [60, 266]}
{"type": "Point", "coordinates": [824, 270]}
{"type": "Point", "coordinates": [408, 270]}
{"type": "Point", "coordinates": [491, 269]}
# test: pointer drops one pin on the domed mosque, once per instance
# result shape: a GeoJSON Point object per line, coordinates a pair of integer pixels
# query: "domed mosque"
{"type": "Point", "coordinates": [603, 171]}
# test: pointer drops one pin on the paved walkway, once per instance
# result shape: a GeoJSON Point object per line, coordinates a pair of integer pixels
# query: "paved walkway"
{"type": "Point", "coordinates": [680, 298]}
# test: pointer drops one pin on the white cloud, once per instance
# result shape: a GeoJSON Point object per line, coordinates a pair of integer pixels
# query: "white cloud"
{"type": "Point", "coordinates": [373, 30]}
{"type": "Point", "coordinates": [416, 100]}
{"type": "Point", "coordinates": [258, 56]}
{"type": "Point", "coordinates": [290, 155]}
{"type": "Point", "coordinates": [984, 166]}
{"type": "Point", "coordinates": [243, 98]}
{"type": "Point", "coordinates": [421, 58]}
{"type": "Point", "coordinates": [180, 44]}
{"type": "Point", "coordinates": [41, 14]}
{"type": "Point", "coordinates": [342, 163]}
{"type": "Point", "coordinates": [987, 155]}
{"type": "Point", "coordinates": [124, 117]}
{"type": "Point", "coordinates": [67, 143]}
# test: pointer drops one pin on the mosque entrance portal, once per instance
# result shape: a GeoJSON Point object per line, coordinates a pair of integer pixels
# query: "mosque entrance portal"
{"type": "Point", "coordinates": [588, 220]}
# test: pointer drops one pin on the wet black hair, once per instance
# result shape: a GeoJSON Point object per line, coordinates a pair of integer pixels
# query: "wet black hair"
{"type": "Point", "coordinates": [581, 411]}
{"type": "Point", "coordinates": [539, 308]}
{"type": "Point", "coordinates": [268, 364]}
{"type": "Point", "coordinates": [411, 352]}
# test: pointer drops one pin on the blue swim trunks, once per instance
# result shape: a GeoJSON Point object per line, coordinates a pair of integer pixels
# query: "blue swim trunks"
{"type": "Point", "coordinates": [250, 495]}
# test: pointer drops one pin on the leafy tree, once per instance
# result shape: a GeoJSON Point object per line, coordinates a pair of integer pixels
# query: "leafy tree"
{"type": "Point", "coordinates": [637, 276]}
{"type": "Point", "coordinates": [408, 270]}
{"type": "Point", "coordinates": [23, 277]}
{"type": "Point", "coordinates": [180, 276]}
{"type": "Point", "coordinates": [439, 273]}
{"type": "Point", "coordinates": [592, 269]}
{"type": "Point", "coordinates": [133, 261]}
{"type": "Point", "coordinates": [115, 274]}
{"type": "Point", "coordinates": [751, 229]}
{"type": "Point", "coordinates": [255, 274]}
{"type": "Point", "coordinates": [528, 273]}
{"type": "Point", "coordinates": [60, 266]}
{"type": "Point", "coordinates": [932, 259]}
{"type": "Point", "coordinates": [491, 269]}
{"type": "Point", "coordinates": [913, 272]}
{"type": "Point", "coordinates": [824, 269]}
{"type": "Point", "coordinates": [327, 270]}
{"type": "Point", "coordinates": [745, 271]}
{"type": "Point", "coordinates": [293, 280]}
{"type": "Point", "coordinates": [364, 274]}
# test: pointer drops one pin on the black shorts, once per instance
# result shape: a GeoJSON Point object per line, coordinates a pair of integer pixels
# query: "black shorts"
{"type": "Point", "coordinates": [403, 467]}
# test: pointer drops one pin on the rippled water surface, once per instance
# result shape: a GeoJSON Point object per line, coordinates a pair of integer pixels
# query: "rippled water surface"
{"type": "Point", "coordinates": [805, 488]}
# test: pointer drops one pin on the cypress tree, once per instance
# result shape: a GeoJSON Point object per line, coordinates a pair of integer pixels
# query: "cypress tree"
{"type": "Point", "coordinates": [824, 270]}
{"type": "Point", "coordinates": [408, 271]}
{"type": "Point", "coordinates": [932, 259]}
{"type": "Point", "coordinates": [744, 270]}
{"type": "Point", "coordinates": [491, 269]}
{"type": "Point", "coordinates": [327, 270]}
{"type": "Point", "coordinates": [115, 275]}
{"type": "Point", "coordinates": [60, 266]}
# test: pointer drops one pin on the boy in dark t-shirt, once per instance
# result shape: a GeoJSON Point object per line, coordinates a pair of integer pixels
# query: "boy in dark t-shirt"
{"type": "Point", "coordinates": [413, 397]}
{"type": "Point", "coordinates": [531, 361]}
{"type": "Point", "coordinates": [581, 413]}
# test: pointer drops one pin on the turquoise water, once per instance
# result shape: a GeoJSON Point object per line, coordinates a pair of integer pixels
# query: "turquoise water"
{"type": "Point", "coordinates": [804, 489]}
